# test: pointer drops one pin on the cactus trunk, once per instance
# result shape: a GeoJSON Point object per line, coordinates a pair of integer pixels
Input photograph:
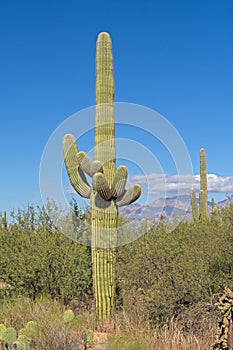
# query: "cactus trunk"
{"type": "Point", "coordinates": [104, 214]}
{"type": "Point", "coordinates": [105, 150]}
{"type": "Point", "coordinates": [104, 237]}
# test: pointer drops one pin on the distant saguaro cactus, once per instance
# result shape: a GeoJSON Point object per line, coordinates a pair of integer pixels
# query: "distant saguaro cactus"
{"type": "Point", "coordinates": [195, 210]}
{"type": "Point", "coordinates": [203, 194]}
{"type": "Point", "coordinates": [203, 186]}
{"type": "Point", "coordinates": [4, 220]}
{"type": "Point", "coordinates": [107, 192]}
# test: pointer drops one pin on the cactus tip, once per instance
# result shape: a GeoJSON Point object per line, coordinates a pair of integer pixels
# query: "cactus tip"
{"type": "Point", "coordinates": [103, 35]}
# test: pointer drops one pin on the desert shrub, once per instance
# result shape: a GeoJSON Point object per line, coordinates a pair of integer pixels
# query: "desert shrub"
{"type": "Point", "coordinates": [178, 275]}
{"type": "Point", "coordinates": [36, 259]}
{"type": "Point", "coordinates": [160, 277]}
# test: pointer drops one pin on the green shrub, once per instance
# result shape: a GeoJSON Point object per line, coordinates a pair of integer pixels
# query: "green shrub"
{"type": "Point", "coordinates": [177, 275]}
{"type": "Point", "coordinates": [36, 259]}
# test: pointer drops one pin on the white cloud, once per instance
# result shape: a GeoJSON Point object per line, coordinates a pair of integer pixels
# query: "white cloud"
{"type": "Point", "coordinates": [215, 183]}
{"type": "Point", "coordinates": [166, 185]}
{"type": "Point", "coordinates": [157, 183]}
{"type": "Point", "coordinates": [222, 184]}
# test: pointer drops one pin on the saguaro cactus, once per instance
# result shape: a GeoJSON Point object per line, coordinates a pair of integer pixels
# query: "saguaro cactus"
{"type": "Point", "coordinates": [203, 185]}
{"type": "Point", "coordinates": [4, 220]}
{"type": "Point", "coordinates": [107, 191]}
{"type": "Point", "coordinates": [203, 194]}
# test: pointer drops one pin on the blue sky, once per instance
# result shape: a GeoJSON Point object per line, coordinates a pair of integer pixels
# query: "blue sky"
{"type": "Point", "coordinates": [174, 57]}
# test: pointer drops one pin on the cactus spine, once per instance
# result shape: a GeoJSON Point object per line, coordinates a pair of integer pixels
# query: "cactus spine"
{"type": "Point", "coordinates": [203, 194]}
{"type": "Point", "coordinates": [107, 192]}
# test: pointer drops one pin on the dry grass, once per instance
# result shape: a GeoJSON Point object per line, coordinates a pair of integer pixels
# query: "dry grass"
{"type": "Point", "coordinates": [128, 333]}
{"type": "Point", "coordinates": [140, 335]}
{"type": "Point", "coordinates": [54, 333]}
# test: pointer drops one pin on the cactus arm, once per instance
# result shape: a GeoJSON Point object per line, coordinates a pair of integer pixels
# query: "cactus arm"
{"type": "Point", "coordinates": [129, 196]}
{"type": "Point", "coordinates": [96, 167]}
{"type": "Point", "coordinates": [119, 182]}
{"type": "Point", "coordinates": [100, 185]}
{"type": "Point", "coordinates": [84, 162]}
{"type": "Point", "coordinates": [75, 173]}
{"type": "Point", "coordinates": [202, 205]}
{"type": "Point", "coordinates": [194, 205]}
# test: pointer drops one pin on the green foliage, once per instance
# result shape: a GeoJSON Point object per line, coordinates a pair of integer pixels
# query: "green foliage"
{"type": "Point", "coordinates": [177, 275]}
{"type": "Point", "coordinates": [36, 259]}
{"type": "Point", "coordinates": [160, 276]}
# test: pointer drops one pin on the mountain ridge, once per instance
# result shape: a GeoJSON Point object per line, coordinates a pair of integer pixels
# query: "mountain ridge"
{"type": "Point", "coordinates": [176, 207]}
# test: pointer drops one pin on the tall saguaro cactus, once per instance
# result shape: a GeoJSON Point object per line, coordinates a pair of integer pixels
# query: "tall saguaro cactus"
{"type": "Point", "coordinates": [107, 191]}
{"type": "Point", "coordinates": [203, 194]}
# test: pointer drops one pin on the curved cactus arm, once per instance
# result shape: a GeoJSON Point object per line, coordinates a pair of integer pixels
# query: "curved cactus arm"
{"type": "Point", "coordinates": [100, 185]}
{"type": "Point", "coordinates": [130, 196]}
{"type": "Point", "coordinates": [76, 175]}
{"type": "Point", "coordinates": [119, 182]}
{"type": "Point", "coordinates": [96, 167]}
{"type": "Point", "coordinates": [84, 162]}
